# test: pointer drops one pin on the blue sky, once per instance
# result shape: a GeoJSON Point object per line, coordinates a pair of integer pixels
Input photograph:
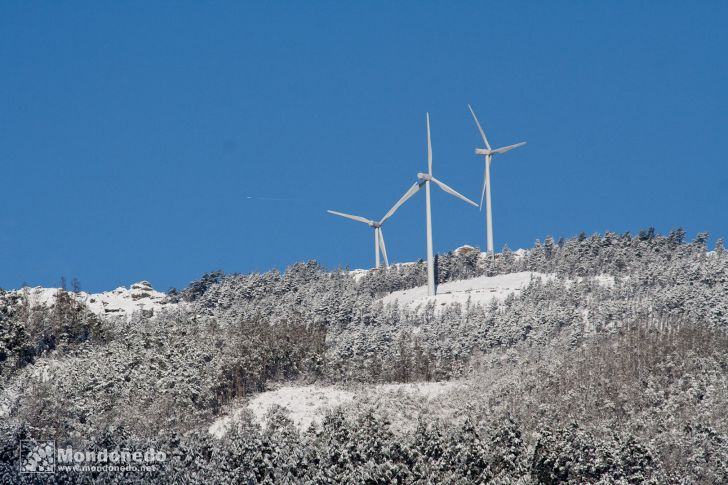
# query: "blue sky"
{"type": "Point", "coordinates": [134, 134]}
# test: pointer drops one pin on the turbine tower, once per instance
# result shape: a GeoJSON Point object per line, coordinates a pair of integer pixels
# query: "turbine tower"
{"type": "Point", "coordinates": [425, 179]}
{"type": "Point", "coordinates": [488, 152]}
{"type": "Point", "coordinates": [378, 235]}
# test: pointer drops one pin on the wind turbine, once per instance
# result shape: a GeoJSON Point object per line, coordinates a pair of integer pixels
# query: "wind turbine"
{"type": "Point", "coordinates": [378, 235]}
{"type": "Point", "coordinates": [425, 179]}
{"type": "Point", "coordinates": [488, 152]}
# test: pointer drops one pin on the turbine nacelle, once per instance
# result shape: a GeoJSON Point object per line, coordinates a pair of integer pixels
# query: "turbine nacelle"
{"type": "Point", "coordinates": [424, 177]}
{"type": "Point", "coordinates": [489, 152]}
{"type": "Point", "coordinates": [378, 235]}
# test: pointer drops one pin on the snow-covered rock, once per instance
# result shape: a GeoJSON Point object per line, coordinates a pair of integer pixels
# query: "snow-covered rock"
{"type": "Point", "coordinates": [119, 302]}
{"type": "Point", "coordinates": [465, 249]}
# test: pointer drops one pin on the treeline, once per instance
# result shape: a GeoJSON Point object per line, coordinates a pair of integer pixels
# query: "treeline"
{"type": "Point", "coordinates": [363, 449]}
{"type": "Point", "coordinates": [581, 256]}
{"type": "Point", "coordinates": [152, 376]}
{"type": "Point", "coordinates": [31, 331]}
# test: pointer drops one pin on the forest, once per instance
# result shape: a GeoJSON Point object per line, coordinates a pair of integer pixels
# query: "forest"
{"type": "Point", "coordinates": [611, 366]}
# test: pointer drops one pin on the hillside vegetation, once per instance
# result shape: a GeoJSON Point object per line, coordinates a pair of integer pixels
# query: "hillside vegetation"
{"type": "Point", "coordinates": [611, 366]}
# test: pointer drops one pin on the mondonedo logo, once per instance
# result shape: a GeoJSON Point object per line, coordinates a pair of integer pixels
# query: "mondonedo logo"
{"type": "Point", "coordinates": [43, 457]}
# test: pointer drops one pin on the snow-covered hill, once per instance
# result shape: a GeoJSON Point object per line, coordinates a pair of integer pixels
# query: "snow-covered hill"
{"type": "Point", "coordinates": [141, 296]}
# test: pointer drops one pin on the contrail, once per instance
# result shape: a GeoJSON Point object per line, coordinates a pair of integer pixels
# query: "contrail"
{"type": "Point", "coordinates": [253, 197]}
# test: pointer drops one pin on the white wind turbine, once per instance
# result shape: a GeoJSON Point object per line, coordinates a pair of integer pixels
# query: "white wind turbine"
{"type": "Point", "coordinates": [488, 152]}
{"type": "Point", "coordinates": [425, 179]}
{"type": "Point", "coordinates": [378, 235]}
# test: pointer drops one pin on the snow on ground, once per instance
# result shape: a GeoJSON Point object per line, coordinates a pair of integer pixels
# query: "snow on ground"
{"type": "Point", "coordinates": [482, 289]}
{"type": "Point", "coordinates": [121, 301]}
{"type": "Point", "coordinates": [8, 397]}
{"type": "Point", "coordinates": [358, 274]}
{"type": "Point", "coordinates": [309, 404]}
{"type": "Point", "coordinates": [305, 403]}
{"type": "Point", "coordinates": [605, 280]}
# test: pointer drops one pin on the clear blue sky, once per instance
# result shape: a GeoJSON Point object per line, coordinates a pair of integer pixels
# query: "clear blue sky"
{"type": "Point", "coordinates": [132, 134]}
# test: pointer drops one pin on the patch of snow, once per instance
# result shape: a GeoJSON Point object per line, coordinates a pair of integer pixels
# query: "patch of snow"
{"type": "Point", "coordinates": [605, 280]}
{"type": "Point", "coordinates": [222, 425]}
{"type": "Point", "coordinates": [519, 253]}
{"type": "Point", "coordinates": [306, 404]}
{"type": "Point", "coordinates": [482, 289]}
{"type": "Point", "coordinates": [426, 390]}
{"type": "Point", "coordinates": [309, 404]}
{"type": "Point", "coordinates": [8, 397]}
{"type": "Point", "coordinates": [40, 296]}
{"type": "Point", "coordinates": [358, 274]}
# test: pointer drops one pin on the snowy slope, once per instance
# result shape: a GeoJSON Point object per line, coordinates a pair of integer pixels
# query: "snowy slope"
{"type": "Point", "coordinates": [480, 290]}
{"type": "Point", "coordinates": [308, 404]}
{"type": "Point", "coordinates": [121, 301]}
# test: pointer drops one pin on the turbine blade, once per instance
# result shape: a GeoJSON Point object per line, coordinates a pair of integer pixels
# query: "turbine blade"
{"type": "Point", "coordinates": [429, 146]}
{"type": "Point", "coordinates": [509, 147]}
{"type": "Point", "coordinates": [410, 192]}
{"type": "Point", "coordinates": [482, 133]}
{"type": "Point", "coordinates": [452, 191]}
{"type": "Point", "coordinates": [383, 247]}
{"type": "Point", "coordinates": [349, 216]}
{"type": "Point", "coordinates": [485, 180]}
